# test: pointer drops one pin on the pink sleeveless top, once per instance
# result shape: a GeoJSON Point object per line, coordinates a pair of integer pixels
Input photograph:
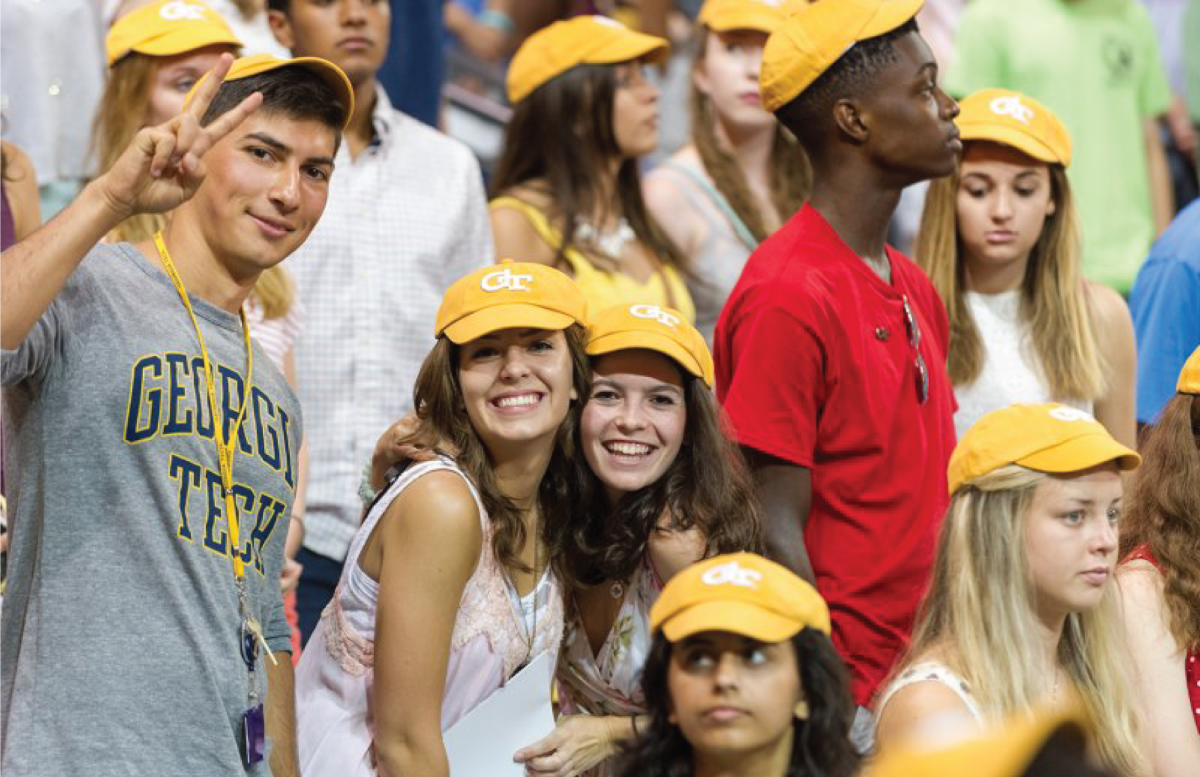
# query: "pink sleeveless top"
{"type": "Point", "coordinates": [335, 677]}
{"type": "Point", "coordinates": [1191, 667]}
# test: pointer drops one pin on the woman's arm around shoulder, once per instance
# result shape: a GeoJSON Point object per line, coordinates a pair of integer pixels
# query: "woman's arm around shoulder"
{"type": "Point", "coordinates": [1115, 340]}
{"type": "Point", "coordinates": [1158, 678]}
{"type": "Point", "coordinates": [429, 542]}
{"type": "Point", "coordinates": [927, 711]}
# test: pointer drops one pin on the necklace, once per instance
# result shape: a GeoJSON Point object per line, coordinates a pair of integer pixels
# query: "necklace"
{"type": "Point", "coordinates": [617, 590]}
{"type": "Point", "coordinates": [610, 242]}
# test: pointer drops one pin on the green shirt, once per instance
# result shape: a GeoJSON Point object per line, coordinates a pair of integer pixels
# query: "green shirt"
{"type": "Point", "coordinates": [1095, 63]}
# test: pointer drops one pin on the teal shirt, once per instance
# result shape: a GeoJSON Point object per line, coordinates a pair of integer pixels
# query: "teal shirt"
{"type": "Point", "coordinates": [1096, 64]}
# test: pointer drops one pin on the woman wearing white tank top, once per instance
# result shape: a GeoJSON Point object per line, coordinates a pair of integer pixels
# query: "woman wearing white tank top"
{"type": "Point", "coordinates": [450, 586]}
{"type": "Point", "coordinates": [1000, 242]}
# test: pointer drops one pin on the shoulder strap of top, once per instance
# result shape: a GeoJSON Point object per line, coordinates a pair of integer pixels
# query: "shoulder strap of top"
{"type": "Point", "coordinates": [406, 478]}
{"type": "Point", "coordinates": [739, 227]}
{"type": "Point", "coordinates": [931, 671]}
{"type": "Point", "coordinates": [546, 231]}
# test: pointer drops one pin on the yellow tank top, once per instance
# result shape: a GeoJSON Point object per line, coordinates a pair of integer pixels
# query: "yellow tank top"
{"type": "Point", "coordinates": [603, 289]}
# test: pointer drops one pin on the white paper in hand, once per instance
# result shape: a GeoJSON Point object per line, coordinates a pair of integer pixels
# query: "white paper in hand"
{"type": "Point", "coordinates": [482, 743]}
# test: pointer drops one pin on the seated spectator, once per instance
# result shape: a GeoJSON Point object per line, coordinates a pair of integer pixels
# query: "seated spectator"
{"type": "Point", "coordinates": [742, 175]}
{"type": "Point", "coordinates": [451, 585]}
{"type": "Point", "coordinates": [1097, 66]}
{"type": "Point", "coordinates": [1159, 581]}
{"type": "Point", "coordinates": [663, 488]}
{"type": "Point", "coordinates": [1021, 610]}
{"type": "Point", "coordinates": [1166, 311]}
{"type": "Point", "coordinates": [742, 679]}
{"type": "Point", "coordinates": [999, 241]}
{"type": "Point", "coordinates": [567, 188]}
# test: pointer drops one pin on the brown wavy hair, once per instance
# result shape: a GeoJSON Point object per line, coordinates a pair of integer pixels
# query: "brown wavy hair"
{"type": "Point", "coordinates": [708, 486]}
{"type": "Point", "coordinates": [791, 175]}
{"type": "Point", "coordinates": [1162, 510]}
{"type": "Point", "coordinates": [1054, 295]}
{"type": "Point", "coordinates": [442, 426]}
{"type": "Point", "coordinates": [562, 135]}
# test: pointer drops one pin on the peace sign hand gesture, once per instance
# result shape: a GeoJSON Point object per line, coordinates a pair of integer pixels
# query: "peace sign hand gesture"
{"type": "Point", "coordinates": [163, 166]}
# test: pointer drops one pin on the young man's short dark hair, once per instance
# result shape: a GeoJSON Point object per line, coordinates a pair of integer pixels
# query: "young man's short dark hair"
{"type": "Point", "coordinates": [279, 5]}
{"type": "Point", "coordinates": [807, 114]}
{"type": "Point", "coordinates": [295, 92]}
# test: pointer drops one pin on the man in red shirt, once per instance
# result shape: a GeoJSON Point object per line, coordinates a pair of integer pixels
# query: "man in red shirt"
{"type": "Point", "coordinates": [830, 352]}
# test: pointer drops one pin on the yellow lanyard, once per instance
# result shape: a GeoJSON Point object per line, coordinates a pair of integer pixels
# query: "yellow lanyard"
{"type": "Point", "coordinates": [225, 450]}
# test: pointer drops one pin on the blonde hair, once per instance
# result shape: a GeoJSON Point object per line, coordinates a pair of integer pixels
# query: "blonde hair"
{"type": "Point", "coordinates": [1054, 300]}
{"type": "Point", "coordinates": [791, 175]}
{"type": "Point", "coordinates": [121, 114]}
{"type": "Point", "coordinates": [979, 612]}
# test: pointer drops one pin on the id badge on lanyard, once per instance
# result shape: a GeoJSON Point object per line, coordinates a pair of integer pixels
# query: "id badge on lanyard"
{"type": "Point", "coordinates": [253, 739]}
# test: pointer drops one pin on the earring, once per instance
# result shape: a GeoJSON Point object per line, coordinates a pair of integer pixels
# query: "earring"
{"type": "Point", "coordinates": [801, 710]}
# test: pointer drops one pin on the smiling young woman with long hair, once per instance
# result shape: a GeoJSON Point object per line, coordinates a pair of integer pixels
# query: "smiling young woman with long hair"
{"type": "Point", "coordinates": [450, 586]}
{"type": "Point", "coordinates": [1159, 580]}
{"type": "Point", "coordinates": [742, 175]}
{"type": "Point", "coordinates": [1021, 610]}
{"type": "Point", "coordinates": [567, 191]}
{"type": "Point", "coordinates": [662, 486]}
{"type": "Point", "coordinates": [1000, 242]}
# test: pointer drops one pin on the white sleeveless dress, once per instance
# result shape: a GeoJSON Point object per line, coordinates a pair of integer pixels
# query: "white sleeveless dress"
{"type": "Point", "coordinates": [1011, 373]}
{"type": "Point", "coordinates": [335, 677]}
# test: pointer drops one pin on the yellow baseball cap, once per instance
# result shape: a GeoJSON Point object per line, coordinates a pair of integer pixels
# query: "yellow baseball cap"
{"type": "Point", "coordinates": [168, 27]}
{"type": "Point", "coordinates": [1189, 376]}
{"type": "Point", "coordinates": [654, 328]}
{"type": "Point", "coordinates": [726, 15]}
{"type": "Point", "coordinates": [583, 40]}
{"type": "Point", "coordinates": [816, 35]}
{"type": "Point", "coordinates": [1048, 437]}
{"type": "Point", "coordinates": [510, 294]}
{"type": "Point", "coordinates": [263, 63]}
{"type": "Point", "coordinates": [1014, 119]}
{"type": "Point", "coordinates": [742, 593]}
{"type": "Point", "coordinates": [1005, 751]}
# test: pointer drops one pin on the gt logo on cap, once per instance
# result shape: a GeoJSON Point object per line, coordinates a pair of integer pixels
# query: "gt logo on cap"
{"type": "Point", "coordinates": [655, 313]}
{"type": "Point", "coordinates": [732, 574]}
{"type": "Point", "coordinates": [1011, 105]}
{"type": "Point", "coordinates": [180, 11]}
{"type": "Point", "coordinates": [505, 279]}
{"type": "Point", "coordinates": [1070, 414]}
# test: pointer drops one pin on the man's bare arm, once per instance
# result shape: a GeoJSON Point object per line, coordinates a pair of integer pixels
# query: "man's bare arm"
{"type": "Point", "coordinates": [785, 491]}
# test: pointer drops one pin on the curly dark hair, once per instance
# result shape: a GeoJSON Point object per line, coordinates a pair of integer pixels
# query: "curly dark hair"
{"type": "Point", "coordinates": [821, 746]}
{"type": "Point", "coordinates": [707, 486]}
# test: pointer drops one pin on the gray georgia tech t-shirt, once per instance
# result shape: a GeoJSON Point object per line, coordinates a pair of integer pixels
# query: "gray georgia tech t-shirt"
{"type": "Point", "coordinates": [120, 620]}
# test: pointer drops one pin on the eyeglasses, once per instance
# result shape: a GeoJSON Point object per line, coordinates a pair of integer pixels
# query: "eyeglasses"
{"type": "Point", "coordinates": [914, 339]}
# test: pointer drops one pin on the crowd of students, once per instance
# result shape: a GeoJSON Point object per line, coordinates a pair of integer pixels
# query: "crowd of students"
{"type": "Point", "coordinates": [771, 498]}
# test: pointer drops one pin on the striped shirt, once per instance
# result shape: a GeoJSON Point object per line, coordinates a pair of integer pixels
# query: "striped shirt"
{"type": "Point", "coordinates": [403, 221]}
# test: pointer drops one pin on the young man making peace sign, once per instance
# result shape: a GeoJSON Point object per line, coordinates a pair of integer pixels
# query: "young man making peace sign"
{"type": "Point", "coordinates": [138, 615]}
